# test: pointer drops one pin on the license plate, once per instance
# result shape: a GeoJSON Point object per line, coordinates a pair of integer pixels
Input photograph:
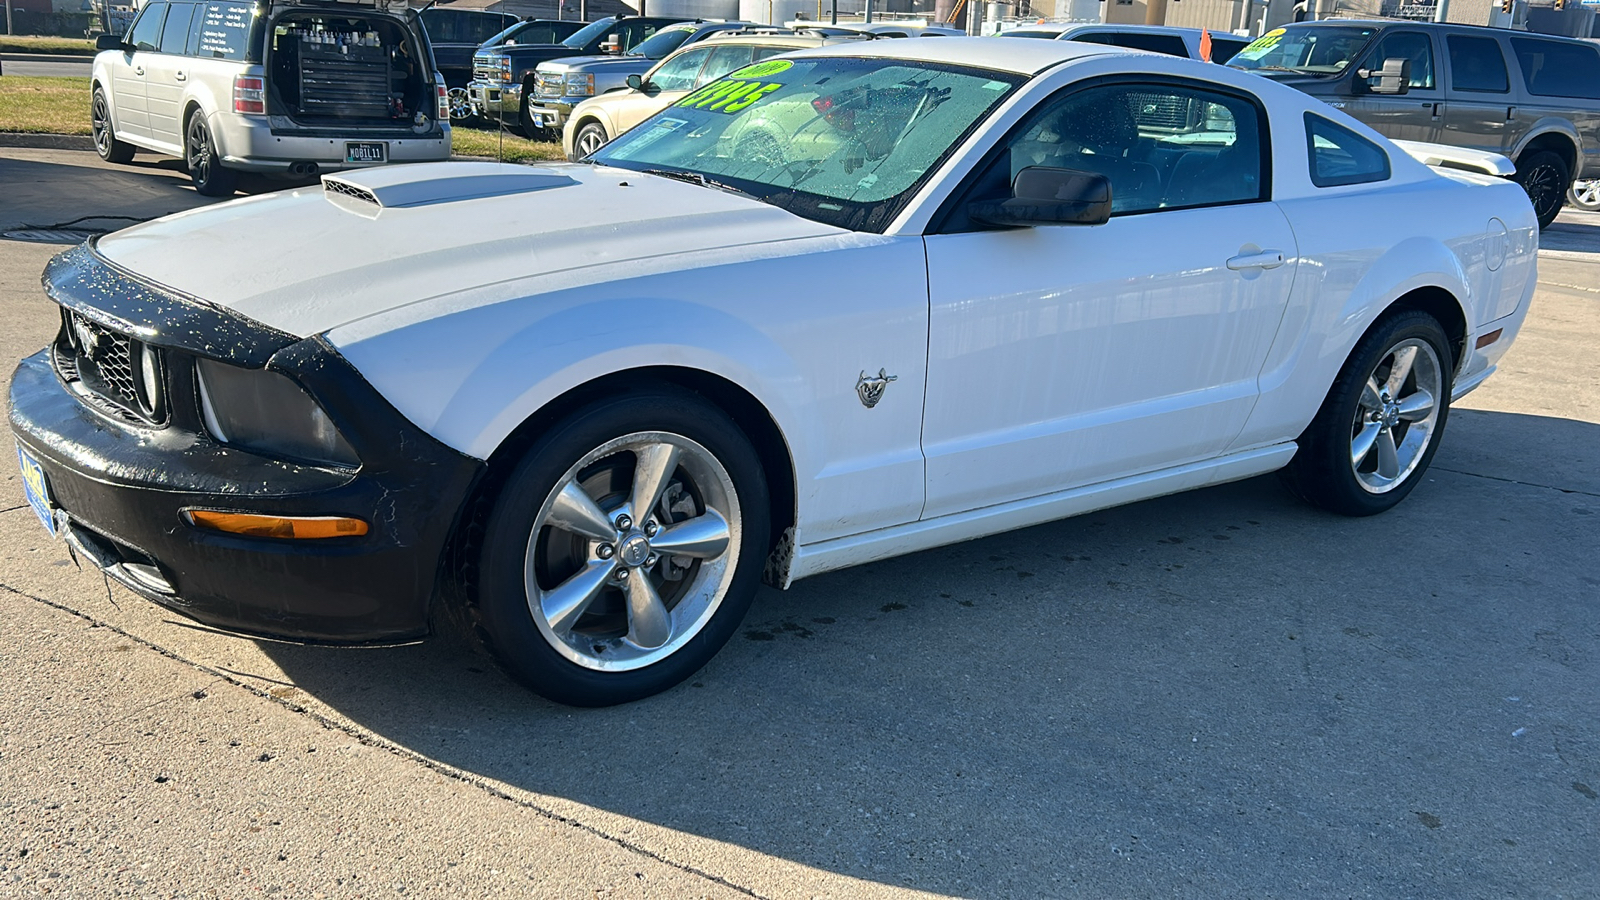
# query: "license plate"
{"type": "Point", "coordinates": [366, 152]}
{"type": "Point", "coordinates": [540, 121]}
{"type": "Point", "coordinates": [37, 490]}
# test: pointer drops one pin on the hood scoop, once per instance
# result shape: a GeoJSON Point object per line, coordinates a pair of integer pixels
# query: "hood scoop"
{"type": "Point", "coordinates": [368, 191]}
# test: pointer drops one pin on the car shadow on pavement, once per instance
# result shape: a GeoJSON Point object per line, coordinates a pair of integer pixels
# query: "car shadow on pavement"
{"type": "Point", "coordinates": [1218, 689]}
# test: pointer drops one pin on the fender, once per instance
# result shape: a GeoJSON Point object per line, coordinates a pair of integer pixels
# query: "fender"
{"type": "Point", "coordinates": [1553, 125]}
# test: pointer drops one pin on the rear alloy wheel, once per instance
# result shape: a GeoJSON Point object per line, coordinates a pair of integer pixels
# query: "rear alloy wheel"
{"type": "Point", "coordinates": [1379, 427]}
{"type": "Point", "coordinates": [624, 549]}
{"type": "Point", "coordinates": [1585, 194]}
{"type": "Point", "coordinates": [1546, 178]}
{"type": "Point", "coordinates": [460, 103]}
{"type": "Point", "coordinates": [210, 177]}
{"type": "Point", "coordinates": [105, 136]}
{"type": "Point", "coordinates": [591, 137]}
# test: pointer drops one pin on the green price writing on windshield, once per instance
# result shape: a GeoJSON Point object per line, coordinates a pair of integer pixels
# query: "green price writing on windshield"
{"type": "Point", "coordinates": [728, 96]}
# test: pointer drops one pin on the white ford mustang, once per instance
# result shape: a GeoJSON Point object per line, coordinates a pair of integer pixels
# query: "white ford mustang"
{"type": "Point", "coordinates": [836, 307]}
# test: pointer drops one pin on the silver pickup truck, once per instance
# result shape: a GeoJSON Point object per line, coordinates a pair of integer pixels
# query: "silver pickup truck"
{"type": "Point", "coordinates": [1532, 97]}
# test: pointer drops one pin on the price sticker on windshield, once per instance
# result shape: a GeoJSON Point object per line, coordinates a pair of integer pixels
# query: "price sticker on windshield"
{"type": "Point", "coordinates": [1259, 47]}
{"type": "Point", "coordinates": [729, 96]}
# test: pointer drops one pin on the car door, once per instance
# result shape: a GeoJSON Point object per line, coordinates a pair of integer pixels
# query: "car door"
{"type": "Point", "coordinates": [166, 77]}
{"type": "Point", "coordinates": [670, 81]}
{"type": "Point", "coordinates": [1416, 115]}
{"type": "Point", "coordinates": [1061, 356]}
{"type": "Point", "coordinates": [129, 91]}
{"type": "Point", "coordinates": [1479, 104]}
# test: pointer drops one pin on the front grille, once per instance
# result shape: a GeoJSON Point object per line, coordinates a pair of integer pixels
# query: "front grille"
{"type": "Point", "coordinates": [1167, 112]}
{"type": "Point", "coordinates": [487, 68]}
{"type": "Point", "coordinates": [97, 364]}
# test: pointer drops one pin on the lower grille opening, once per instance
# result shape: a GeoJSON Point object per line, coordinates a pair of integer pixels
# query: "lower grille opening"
{"type": "Point", "coordinates": [122, 562]}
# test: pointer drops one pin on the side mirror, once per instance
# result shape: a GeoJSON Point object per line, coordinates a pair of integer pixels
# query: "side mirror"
{"type": "Point", "coordinates": [1393, 78]}
{"type": "Point", "coordinates": [636, 82]}
{"type": "Point", "coordinates": [1041, 195]}
{"type": "Point", "coordinates": [612, 46]}
{"type": "Point", "coordinates": [108, 42]}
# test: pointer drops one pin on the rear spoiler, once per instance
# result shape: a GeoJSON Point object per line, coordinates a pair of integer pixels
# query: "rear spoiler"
{"type": "Point", "coordinates": [1448, 157]}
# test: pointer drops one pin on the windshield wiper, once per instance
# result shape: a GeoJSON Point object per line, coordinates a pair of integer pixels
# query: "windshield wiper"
{"type": "Point", "coordinates": [703, 181]}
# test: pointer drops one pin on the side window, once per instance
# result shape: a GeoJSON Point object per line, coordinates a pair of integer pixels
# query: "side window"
{"type": "Point", "coordinates": [1340, 156]}
{"type": "Point", "coordinates": [1412, 45]}
{"type": "Point", "coordinates": [1557, 69]}
{"type": "Point", "coordinates": [1223, 49]}
{"type": "Point", "coordinates": [1170, 44]}
{"type": "Point", "coordinates": [175, 34]}
{"type": "Point", "coordinates": [224, 30]}
{"type": "Point", "coordinates": [146, 33]}
{"type": "Point", "coordinates": [536, 34]}
{"type": "Point", "coordinates": [631, 35]}
{"type": "Point", "coordinates": [1476, 64]}
{"type": "Point", "coordinates": [1161, 146]}
{"type": "Point", "coordinates": [677, 73]}
{"type": "Point", "coordinates": [765, 52]}
{"type": "Point", "coordinates": [723, 60]}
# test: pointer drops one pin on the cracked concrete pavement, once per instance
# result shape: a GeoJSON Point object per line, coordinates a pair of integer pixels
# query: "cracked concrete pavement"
{"type": "Point", "coordinates": [1217, 694]}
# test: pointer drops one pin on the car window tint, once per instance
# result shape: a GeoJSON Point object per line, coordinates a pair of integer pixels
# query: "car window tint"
{"type": "Point", "coordinates": [632, 34]}
{"type": "Point", "coordinates": [677, 73]}
{"type": "Point", "coordinates": [146, 32]}
{"type": "Point", "coordinates": [1223, 49]}
{"type": "Point", "coordinates": [764, 52]}
{"type": "Point", "coordinates": [1339, 156]}
{"type": "Point", "coordinates": [1170, 44]}
{"type": "Point", "coordinates": [661, 45]}
{"type": "Point", "coordinates": [1412, 45]}
{"type": "Point", "coordinates": [1558, 69]}
{"type": "Point", "coordinates": [224, 30]}
{"type": "Point", "coordinates": [175, 33]}
{"type": "Point", "coordinates": [723, 60]}
{"type": "Point", "coordinates": [1476, 64]}
{"type": "Point", "coordinates": [1161, 146]}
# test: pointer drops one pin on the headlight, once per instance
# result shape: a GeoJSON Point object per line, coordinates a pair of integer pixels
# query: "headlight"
{"type": "Point", "coordinates": [263, 411]}
{"type": "Point", "coordinates": [579, 85]}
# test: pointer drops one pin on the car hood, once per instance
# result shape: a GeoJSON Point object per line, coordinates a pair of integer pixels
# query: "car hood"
{"type": "Point", "coordinates": [309, 260]}
{"type": "Point", "coordinates": [594, 63]}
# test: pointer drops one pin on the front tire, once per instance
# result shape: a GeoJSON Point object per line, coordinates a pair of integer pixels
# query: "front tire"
{"type": "Point", "coordinates": [1377, 431]}
{"type": "Point", "coordinates": [459, 100]}
{"type": "Point", "coordinates": [105, 135]}
{"type": "Point", "coordinates": [1546, 178]}
{"type": "Point", "coordinates": [591, 137]}
{"type": "Point", "coordinates": [624, 549]}
{"type": "Point", "coordinates": [210, 177]}
{"type": "Point", "coordinates": [1585, 194]}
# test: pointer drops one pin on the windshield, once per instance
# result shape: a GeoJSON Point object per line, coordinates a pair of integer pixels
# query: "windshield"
{"type": "Point", "coordinates": [1311, 50]}
{"type": "Point", "coordinates": [584, 36]}
{"type": "Point", "coordinates": [662, 43]}
{"type": "Point", "coordinates": [840, 140]}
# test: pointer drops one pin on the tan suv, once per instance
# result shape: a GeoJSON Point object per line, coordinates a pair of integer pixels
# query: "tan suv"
{"type": "Point", "coordinates": [596, 121]}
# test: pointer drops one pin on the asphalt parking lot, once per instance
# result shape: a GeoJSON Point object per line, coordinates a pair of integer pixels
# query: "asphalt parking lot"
{"type": "Point", "coordinates": [1219, 694]}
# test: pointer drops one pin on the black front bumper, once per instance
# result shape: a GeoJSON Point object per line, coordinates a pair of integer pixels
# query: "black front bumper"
{"type": "Point", "coordinates": [122, 487]}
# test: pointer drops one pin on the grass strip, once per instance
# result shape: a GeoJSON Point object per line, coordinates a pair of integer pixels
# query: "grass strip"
{"type": "Point", "coordinates": [44, 105]}
{"type": "Point", "coordinates": [22, 43]}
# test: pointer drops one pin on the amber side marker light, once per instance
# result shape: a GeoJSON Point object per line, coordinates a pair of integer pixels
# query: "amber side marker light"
{"type": "Point", "coordinates": [1489, 338]}
{"type": "Point", "coordinates": [298, 528]}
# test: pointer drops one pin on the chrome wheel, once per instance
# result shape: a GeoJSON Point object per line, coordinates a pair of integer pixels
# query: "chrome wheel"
{"type": "Point", "coordinates": [1585, 194]}
{"type": "Point", "coordinates": [591, 138]}
{"type": "Point", "coordinates": [460, 104]}
{"type": "Point", "coordinates": [1395, 416]}
{"type": "Point", "coordinates": [633, 551]}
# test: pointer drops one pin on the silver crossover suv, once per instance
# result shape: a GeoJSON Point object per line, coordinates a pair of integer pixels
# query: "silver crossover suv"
{"type": "Point", "coordinates": [280, 88]}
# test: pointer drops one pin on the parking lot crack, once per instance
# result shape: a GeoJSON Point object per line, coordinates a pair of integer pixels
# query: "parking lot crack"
{"type": "Point", "coordinates": [1534, 484]}
{"type": "Point", "coordinates": [375, 742]}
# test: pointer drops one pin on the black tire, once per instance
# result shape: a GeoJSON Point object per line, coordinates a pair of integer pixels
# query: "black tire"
{"type": "Point", "coordinates": [105, 134]}
{"type": "Point", "coordinates": [211, 178]}
{"type": "Point", "coordinates": [1322, 472]}
{"type": "Point", "coordinates": [593, 136]}
{"type": "Point", "coordinates": [530, 649]}
{"type": "Point", "coordinates": [1546, 178]}
{"type": "Point", "coordinates": [525, 116]}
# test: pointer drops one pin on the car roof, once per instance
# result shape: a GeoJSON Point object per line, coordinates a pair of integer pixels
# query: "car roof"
{"type": "Point", "coordinates": [1103, 28]}
{"type": "Point", "coordinates": [797, 41]}
{"type": "Point", "coordinates": [1021, 57]}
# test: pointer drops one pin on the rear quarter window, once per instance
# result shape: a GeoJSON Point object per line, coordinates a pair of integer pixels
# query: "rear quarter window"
{"type": "Point", "coordinates": [1170, 44]}
{"type": "Point", "coordinates": [225, 31]}
{"type": "Point", "coordinates": [1339, 156]}
{"type": "Point", "coordinates": [1558, 69]}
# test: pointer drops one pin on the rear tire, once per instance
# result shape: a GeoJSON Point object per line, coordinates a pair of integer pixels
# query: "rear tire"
{"type": "Point", "coordinates": [1546, 178]}
{"type": "Point", "coordinates": [624, 549]}
{"type": "Point", "coordinates": [210, 177]}
{"type": "Point", "coordinates": [105, 135]}
{"type": "Point", "coordinates": [1381, 423]}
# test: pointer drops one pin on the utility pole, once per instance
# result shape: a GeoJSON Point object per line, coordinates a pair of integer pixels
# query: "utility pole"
{"type": "Point", "coordinates": [867, 21]}
{"type": "Point", "coordinates": [9, 29]}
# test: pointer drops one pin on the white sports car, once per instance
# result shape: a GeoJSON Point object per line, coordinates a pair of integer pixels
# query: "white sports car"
{"type": "Point", "coordinates": [859, 302]}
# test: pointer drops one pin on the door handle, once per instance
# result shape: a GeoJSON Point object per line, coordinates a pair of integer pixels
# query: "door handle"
{"type": "Point", "coordinates": [1266, 259]}
{"type": "Point", "coordinates": [181, 77]}
{"type": "Point", "coordinates": [138, 70]}
{"type": "Point", "coordinates": [1511, 112]}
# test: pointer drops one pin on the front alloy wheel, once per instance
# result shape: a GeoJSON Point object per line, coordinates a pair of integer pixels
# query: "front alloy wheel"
{"type": "Point", "coordinates": [1544, 175]}
{"type": "Point", "coordinates": [623, 549]}
{"type": "Point", "coordinates": [1585, 194]}
{"type": "Point", "coordinates": [105, 135]}
{"type": "Point", "coordinates": [460, 103]}
{"type": "Point", "coordinates": [591, 137]}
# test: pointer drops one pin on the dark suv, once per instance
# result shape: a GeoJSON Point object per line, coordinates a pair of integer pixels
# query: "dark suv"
{"type": "Point", "coordinates": [1532, 97]}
